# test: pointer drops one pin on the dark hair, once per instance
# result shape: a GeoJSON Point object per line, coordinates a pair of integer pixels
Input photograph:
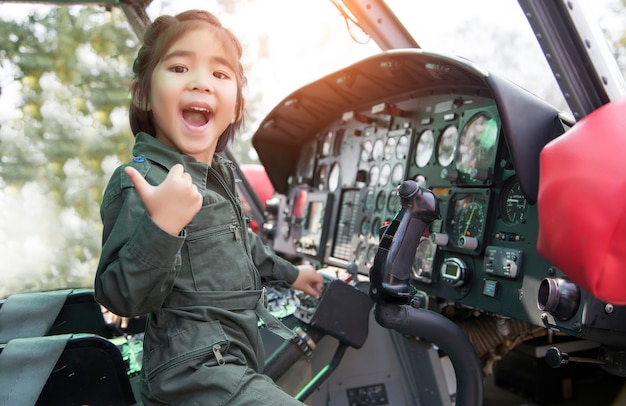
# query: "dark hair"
{"type": "Point", "coordinates": [158, 37]}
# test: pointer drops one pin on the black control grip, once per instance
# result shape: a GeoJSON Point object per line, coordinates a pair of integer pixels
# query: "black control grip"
{"type": "Point", "coordinates": [390, 273]}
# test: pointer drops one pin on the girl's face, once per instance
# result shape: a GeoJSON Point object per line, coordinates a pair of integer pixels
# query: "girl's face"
{"type": "Point", "coordinates": [194, 94]}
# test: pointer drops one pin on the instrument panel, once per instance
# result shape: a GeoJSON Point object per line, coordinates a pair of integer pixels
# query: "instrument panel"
{"type": "Point", "coordinates": [447, 142]}
{"type": "Point", "coordinates": [337, 149]}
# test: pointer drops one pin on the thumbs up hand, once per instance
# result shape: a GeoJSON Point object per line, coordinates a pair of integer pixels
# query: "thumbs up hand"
{"type": "Point", "coordinates": [173, 203]}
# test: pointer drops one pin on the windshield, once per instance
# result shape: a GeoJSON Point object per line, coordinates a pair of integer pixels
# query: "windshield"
{"type": "Point", "coordinates": [64, 97]}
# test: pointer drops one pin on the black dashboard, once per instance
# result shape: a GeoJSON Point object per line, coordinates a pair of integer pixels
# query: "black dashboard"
{"type": "Point", "coordinates": [337, 149]}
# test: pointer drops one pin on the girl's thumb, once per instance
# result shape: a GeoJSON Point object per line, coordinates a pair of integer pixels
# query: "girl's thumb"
{"type": "Point", "coordinates": [142, 186]}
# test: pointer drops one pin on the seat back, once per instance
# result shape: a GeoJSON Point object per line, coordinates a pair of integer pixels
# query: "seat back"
{"type": "Point", "coordinates": [90, 370]}
{"type": "Point", "coordinates": [51, 313]}
{"type": "Point", "coordinates": [55, 346]}
{"type": "Point", "coordinates": [80, 314]}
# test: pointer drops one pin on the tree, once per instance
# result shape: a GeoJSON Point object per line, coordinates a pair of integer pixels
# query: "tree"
{"type": "Point", "coordinates": [73, 66]}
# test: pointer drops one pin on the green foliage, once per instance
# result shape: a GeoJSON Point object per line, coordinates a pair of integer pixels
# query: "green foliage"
{"type": "Point", "coordinates": [73, 65]}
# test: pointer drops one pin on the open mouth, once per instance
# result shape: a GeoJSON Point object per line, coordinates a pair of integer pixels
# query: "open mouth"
{"type": "Point", "coordinates": [196, 116]}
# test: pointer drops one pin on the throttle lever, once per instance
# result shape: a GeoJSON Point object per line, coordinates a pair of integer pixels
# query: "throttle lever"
{"type": "Point", "coordinates": [390, 272]}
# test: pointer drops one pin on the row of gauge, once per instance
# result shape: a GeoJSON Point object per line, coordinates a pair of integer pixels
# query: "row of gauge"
{"type": "Point", "coordinates": [467, 210]}
{"type": "Point", "coordinates": [464, 222]}
{"type": "Point", "coordinates": [473, 150]}
{"type": "Point", "coordinates": [329, 175]}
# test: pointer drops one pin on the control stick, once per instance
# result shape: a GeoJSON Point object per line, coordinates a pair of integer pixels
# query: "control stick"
{"type": "Point", "coordinates": [390, 289]}
{"type": "Point", "coordinates": [390, 273]}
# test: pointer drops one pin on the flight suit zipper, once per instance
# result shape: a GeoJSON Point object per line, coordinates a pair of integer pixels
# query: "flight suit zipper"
{"type": "Point", "coordinates": [218, 355]}
{"type": "Point", "coordinates": [212, 352]}
{"type": "Point", "coordinates": [240, 218]}
{"type": "Point", "coordinates": [231, 197]}
{"type": "Point", "coordinates": [235, 230]}
{"type": "Point", "coordinates": [216, 231]}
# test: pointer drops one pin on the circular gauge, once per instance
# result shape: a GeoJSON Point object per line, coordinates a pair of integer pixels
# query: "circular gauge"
{"type": "Point", "coordinates": [422, 270]}
{"type": "Point", "coordinates": [470, 218]}
{"type": "Point", "coordinates": [513, 204]}
{"type": "Point", "coordinates": [446, 146]}
{"type": "Point", "coordinates": [366, 151]}
{"type": "Point", "coordinates": [381, 198]}
{"type": "Point", "coordinates": [378, 150]}
{"type": "Point", "coordinates": [393, 202]}
{"type": "Point", "coordinates": [424, 149]}
{"type": "Point", "coordinates": [371, 253]}
{"type": "Point", "coordinates": [375, 227]}
{"type": "Point", "coordinates": [321, 177]}
{"type": "Point", "coordinates": [390, 148]}
{"type": "Point", "coordinates": [477, 145]}
{"type": "Point", "coordinates": [365, 226]}
{"type": "Point", "coordinates": [327, 143]}
{"type": "Point", "coordinates": [402, 149]}
{"type": "Point", "coordinates": [385, 173]}
{"type": "Point", "coordinates": [374, 174]}
{"type": "Point", "coordinates": [360, 252]}
{"type": "Point", "coordinates": [397, 175]}
{"type": "Point", "coordinates": [421, 180]}
{"type": "Point", "coordinates": [333, 177]}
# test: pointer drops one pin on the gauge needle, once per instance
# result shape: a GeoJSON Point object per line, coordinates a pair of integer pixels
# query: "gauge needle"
{"type": "Point", "coordinates": [469, 220]}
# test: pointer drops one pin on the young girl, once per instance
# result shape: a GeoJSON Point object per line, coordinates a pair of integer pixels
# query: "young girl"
{"type": "Point", "coordinates": [175, 242]}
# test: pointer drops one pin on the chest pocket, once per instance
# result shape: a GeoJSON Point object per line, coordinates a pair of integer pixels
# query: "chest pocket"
{"type": "Point", "coordinates": [214, 256]}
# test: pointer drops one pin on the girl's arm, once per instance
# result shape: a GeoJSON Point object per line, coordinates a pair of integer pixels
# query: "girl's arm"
{"type": "Point", "coordinates": [139, 260]}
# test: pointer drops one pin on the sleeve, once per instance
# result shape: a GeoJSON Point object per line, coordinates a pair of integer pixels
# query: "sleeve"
{"type": "Point", "coordinates": [139, 261]}
{"type": "Point", "coordinates": [269, 264]}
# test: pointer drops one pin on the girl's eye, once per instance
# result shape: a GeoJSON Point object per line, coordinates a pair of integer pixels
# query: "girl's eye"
{"type": "Point", "coordinates": [220, 75]}
{"type": "Point", "coordinates": [178, 69]}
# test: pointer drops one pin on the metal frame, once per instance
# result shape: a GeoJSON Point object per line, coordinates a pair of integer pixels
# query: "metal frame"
{"type": "Point", "coordinates": [578, 56]}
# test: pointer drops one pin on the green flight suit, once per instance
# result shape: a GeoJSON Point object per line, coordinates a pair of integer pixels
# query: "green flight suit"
{"type": "Point", "coordinates": [202, 289]}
